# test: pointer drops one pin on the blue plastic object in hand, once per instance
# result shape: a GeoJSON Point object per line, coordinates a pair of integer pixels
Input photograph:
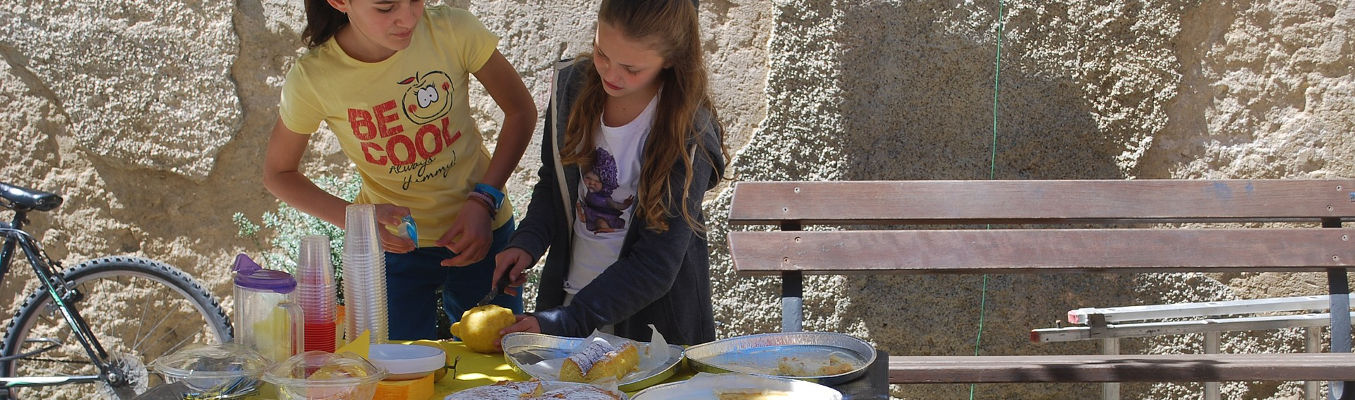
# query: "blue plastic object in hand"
{"type": "Point", "coordinates": [410, 229]}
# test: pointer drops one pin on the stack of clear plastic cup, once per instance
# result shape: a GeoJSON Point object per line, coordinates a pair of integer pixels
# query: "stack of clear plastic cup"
{"type": "Point", "coordinates": [316, 293]}
{"type": "Point", "coordinates": [364, 275]}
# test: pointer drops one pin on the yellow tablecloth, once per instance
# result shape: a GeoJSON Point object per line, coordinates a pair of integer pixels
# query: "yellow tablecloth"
{"type": "Point", "coordinates": [476, 369]}
{"type": "Point", "coordinates": [473, 369]}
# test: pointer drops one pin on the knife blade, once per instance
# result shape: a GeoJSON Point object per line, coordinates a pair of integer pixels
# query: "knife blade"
{"type": "Point", "coordinates": [499, 285]}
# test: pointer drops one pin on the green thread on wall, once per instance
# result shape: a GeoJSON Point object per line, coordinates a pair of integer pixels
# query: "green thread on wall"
{"type": "Point", "coordinates": [992, 174]}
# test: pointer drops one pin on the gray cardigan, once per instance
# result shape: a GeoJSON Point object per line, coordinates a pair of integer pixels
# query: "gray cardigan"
{"type": "Point", "coordinates": [660, 278]}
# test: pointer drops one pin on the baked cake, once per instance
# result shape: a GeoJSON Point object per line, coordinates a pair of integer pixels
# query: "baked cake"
{"type": "Point", "coordinates": [600, 360]}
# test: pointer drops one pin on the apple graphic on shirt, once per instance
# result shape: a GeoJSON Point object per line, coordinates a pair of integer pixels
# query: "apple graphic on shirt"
{"type": "Point", "coordinates": [428, 97]}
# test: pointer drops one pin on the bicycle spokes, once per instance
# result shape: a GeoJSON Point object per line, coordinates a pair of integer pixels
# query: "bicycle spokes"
{"type": "Point", "coordinates": [138, 310]}
{"type": "Point", "coordinates": [50, 344]}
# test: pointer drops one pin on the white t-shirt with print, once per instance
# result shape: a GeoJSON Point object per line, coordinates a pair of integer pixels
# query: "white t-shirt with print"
{"type": "Point", "coordinates": [607, 198]}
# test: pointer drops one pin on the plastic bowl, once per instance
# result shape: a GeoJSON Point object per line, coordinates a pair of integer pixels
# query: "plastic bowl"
{"type": "Point", "coordinates": [221, 371]}
{"type": "Point", "coordinates": [406, 361]}
{"type": "Point", "coordinates": [325, 376]}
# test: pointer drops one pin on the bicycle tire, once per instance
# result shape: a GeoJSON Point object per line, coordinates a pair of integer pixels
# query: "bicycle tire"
{"type": "Point", "coordinates": [172, 304]}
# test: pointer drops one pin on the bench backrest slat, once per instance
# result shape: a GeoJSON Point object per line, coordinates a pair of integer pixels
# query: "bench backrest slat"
{"type": "Point", "coordinates": [1061, 201]}
{"type": "Point", "coordinates": [1034, 250]}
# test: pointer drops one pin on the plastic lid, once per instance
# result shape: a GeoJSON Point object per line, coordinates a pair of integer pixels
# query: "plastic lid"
{"type": "Point", "coordinates": [213, 366]}
{"type": "Point", "coordinates": [407, 361]}
{"type": "Point", "coordinates": [249, 274]}
{"type": "Point", "coordinates": [318, 368]}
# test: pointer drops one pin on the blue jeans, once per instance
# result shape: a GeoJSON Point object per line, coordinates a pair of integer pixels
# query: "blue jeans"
{"type": "Point", "coordinates": [412, 280]}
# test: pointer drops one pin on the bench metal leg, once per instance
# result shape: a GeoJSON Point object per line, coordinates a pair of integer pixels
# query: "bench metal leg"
{"type": "Point", "coordinates": [1211, 346]}
{"type": "Point", "coordinates": [1110, 390]}
{"type": "Point", "coordinates": [1340, 325]}
{"type": "Point", "coordinates": [792, 291]}
{"type": "Point", "coordinates": [792, 301]}
{"type": "Point", "coordinates": [1313, 344]}
{"type": "Point", "coordinates": [1340, 316]}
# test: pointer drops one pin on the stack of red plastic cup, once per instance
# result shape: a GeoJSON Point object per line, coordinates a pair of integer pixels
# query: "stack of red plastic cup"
{"type": "Point", "coordinates": [316, 292]}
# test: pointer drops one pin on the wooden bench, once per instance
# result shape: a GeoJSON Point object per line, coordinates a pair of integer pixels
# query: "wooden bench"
{"type": "Point", "coordinates": [1067, 226]}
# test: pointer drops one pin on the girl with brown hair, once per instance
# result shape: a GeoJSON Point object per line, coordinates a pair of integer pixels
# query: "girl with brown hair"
{"type": "Point", "coordinates": [390, 78]}
{"type": "Point", "coordinates": [618, 203]}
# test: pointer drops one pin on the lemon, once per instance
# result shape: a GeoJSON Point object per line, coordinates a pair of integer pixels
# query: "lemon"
{"type": "Point", "coordinates": [479, 327]}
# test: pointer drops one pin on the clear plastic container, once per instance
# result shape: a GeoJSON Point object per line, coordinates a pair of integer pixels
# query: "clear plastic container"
{"type": "Point", "coordinates": [268, 320]}
{"type": "Point", "coordinates": [221, 371]}
{"type": "Point", "coordinates": [364, 275]}
{"type": "Point", "coordinates": [316, 293]}
{"type": "Point", "coordinates": [325, 376]}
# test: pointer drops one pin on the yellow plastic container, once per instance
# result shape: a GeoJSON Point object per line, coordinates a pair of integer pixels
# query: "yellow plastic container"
{"type": "Point", "coordinates": [410, 389]}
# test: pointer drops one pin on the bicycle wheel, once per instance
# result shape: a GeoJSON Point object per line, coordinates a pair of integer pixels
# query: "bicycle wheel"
{"type": "Point", "coordinates": [138, 310]}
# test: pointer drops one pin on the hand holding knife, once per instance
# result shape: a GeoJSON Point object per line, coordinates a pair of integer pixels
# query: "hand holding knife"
{"type": "Point", "coordinates": [499, 285]}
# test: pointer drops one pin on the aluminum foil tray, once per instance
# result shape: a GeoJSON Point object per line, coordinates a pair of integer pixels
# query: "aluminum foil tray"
{"type": "Point", "coordinates": [706, 386]}
{"type": "Point", "coordinates": [803, 352]}
{"type": "Point", "coordinates": [525, 351]}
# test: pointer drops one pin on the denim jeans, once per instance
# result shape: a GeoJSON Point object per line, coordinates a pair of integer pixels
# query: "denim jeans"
{"type": "Point", "coordinates": [412, 280]}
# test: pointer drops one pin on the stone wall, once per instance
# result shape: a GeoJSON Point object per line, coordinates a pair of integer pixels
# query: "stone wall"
{"type": "Point", "coordinates": [152, 119]}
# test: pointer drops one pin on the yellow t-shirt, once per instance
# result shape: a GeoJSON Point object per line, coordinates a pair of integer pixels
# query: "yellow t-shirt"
{"type": "Point", "coordinates": [404, 121]}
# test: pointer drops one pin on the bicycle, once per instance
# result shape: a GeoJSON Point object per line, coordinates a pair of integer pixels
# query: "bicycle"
{"type": "Point", "coordinates": [70, 339]}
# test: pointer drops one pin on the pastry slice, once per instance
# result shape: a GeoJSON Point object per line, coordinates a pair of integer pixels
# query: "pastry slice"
{"type": "Point", "coordinates": [600, 360]}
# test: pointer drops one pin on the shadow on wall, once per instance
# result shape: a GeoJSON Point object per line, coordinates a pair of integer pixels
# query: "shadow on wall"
{"type": "Point", "coordinates": [917, 103]}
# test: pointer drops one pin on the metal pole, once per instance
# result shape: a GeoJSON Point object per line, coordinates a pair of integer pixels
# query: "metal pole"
{"type": "Point", "coordinates": [792, 301]}
{"type": "Point", "coordinates": [1211, 346]}
{"type": "Point", "coordinates": [792, 293]}
{"type": "Point", "coordinates": [1313, 343]}
{"type": "Point", "coordinates": [1340, 315]}
{"type": "Point", "coordinates": [1110, 390]}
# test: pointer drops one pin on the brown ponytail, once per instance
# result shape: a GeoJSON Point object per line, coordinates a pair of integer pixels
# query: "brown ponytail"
{"type": "Point", "coordinates": [322, 22]}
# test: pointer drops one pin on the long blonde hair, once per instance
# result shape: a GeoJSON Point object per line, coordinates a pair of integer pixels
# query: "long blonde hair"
{"type": "Point", "coordinates": [673, 28]}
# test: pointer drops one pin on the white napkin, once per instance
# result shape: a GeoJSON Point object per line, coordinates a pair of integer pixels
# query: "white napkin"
{"type": "Point", "coordinates": [655, 354]}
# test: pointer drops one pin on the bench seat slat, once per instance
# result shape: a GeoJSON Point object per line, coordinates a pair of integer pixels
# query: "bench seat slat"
{"type": "Point", "coordinates": [1053, 201]}
{"type": "Point", "coordinates": [1122, 368]}
{"type": "Point", "coordinates": [1041, 250]}
{"type": "Point", "coordinates": [1150, 329]}
{"type": "Point", "coordinates": [1195, 310]}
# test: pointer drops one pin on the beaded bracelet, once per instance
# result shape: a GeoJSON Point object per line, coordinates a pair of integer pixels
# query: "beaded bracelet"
{"type": "Point", "coordinates": [484, 200]}
{"type": "Point", "coordinates": [493, 194]}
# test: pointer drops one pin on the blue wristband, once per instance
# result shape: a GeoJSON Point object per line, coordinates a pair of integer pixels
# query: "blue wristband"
{"type": "Point", "coordinates": [492, 192]}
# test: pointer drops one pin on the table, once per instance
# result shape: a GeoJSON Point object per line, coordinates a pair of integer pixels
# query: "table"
{"type": "Point", "coordinates": [477, 369]}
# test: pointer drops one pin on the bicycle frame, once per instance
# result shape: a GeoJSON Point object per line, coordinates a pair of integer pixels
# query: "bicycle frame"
{"type": "Point", "coordinates": [62, 296]}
